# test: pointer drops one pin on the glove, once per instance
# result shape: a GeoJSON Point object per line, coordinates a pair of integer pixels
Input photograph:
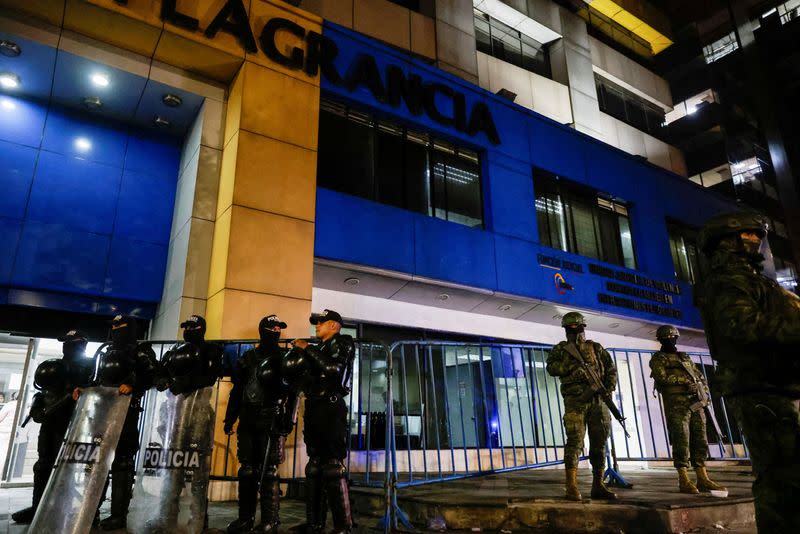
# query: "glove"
{"type": "Point", "coordinates": [162, 383]}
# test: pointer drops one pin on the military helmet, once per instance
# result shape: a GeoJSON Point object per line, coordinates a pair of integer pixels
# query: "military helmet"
{"type": "Point", "coordinates": [573, 319]}
{"type": "Point", "coordinates": [726, 224]}
{"type": "Point", "coordinates": [666, 331]}
{"type": "Point", "coordinates": [50, 374]}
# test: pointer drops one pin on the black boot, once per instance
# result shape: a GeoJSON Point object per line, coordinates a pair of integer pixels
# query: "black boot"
{"type": "Point", "coordinates": [41, 473]}
{"type": "Point", "coordinates": [121, 493]}
{"type": "Point", "coordinates": [24, 516]}
{"type": "Point", "coordinates": [270, 507]}
{"type": "Point", "coordinates": [315, 498]}
{"type": "Point", "coordinates": [338, 493]}
{"type": "Point", "coordinates": [247, 502]}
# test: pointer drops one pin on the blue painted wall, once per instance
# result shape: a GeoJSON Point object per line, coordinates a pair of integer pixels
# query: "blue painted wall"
{"type": "Point", "coordinates": [503, 256]}
{"type": "Point", "coordinates": [82, 230]}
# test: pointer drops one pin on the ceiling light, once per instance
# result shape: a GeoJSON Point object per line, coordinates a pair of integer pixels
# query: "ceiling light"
{"type": "Point", "coordinates": [172, 101]}
{"type": "Point", "coordinates": [162, 122]}
{"type": "Point", "coordinates": [9, 48]}
{"type": "Point", "coordinates": [351, 281]}
{"type": "Point", "coordinates": [442, 297]}
{"type": "Point", "coordinates": [92, 102]}
{"type": "Point", "coordinates": [8, 104]}
{"type": "Point", "coordinates": [83, 144]}
{"type": "Point", "coordinates": [99, 79]}
{"type": "Point", "coordinates": [504, 307]}
{"type": "Point", "coordinates": [9, 80]}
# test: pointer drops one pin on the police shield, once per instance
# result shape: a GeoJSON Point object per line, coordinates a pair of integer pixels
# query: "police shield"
{"type": "Point", "coordinates": [74, 490]}
{"type": "Point", "coordinates": [174, 464]}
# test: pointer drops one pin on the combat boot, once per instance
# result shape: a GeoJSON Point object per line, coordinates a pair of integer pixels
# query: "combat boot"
{"type": "Point", "coordinates": [270, 507]}
{"type": "Point", "coordinates": [573, 493]}
{"type": "Point", "coordinates": [121, 493]}
{"type": "Point", "coordinates": [599, 490]}
{"type": "Point", "coordinates": [685, 484]}
{"type": "Point", "coordinates": [24, 516]}
{"type": "Point", "coordinates": [704, 483]}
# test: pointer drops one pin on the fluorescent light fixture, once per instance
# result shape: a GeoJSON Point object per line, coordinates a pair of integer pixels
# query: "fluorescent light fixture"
{"type": "Point", "coordinates": [517, 20]}
{"type": "Point", "coordinates": [99, 79]}
{"type": "Point", "coordinates": [9, 80]}
{"type": "Point", "coordinates": [83, 144]}
{"type": "Point", "coordinates": [8, 105]}
{"type": "Point", "coordinates": [690, 109]}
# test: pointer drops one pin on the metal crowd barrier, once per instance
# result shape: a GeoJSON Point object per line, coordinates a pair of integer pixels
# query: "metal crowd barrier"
{"type": "Point", "coordinates": [422, 412]}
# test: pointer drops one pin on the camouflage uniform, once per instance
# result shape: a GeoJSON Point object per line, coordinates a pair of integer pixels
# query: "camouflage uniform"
{"type": "Point", "coordinates": [578, 413]}
{"type": "Point", "coordinates": [675, 376]}
{"type": "Point", "coordinates": [753, 329]}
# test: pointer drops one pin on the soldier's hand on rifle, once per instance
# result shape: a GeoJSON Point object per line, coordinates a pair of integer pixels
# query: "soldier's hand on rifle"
{"type": "Point", "coordinates": [228, 428]}
{"type": "Point", "coordinates": [125, 389]}
{"type": "Point", "coordinates": [300, 343]}
{"type": "Point", "coordinates": [76, 393]}
{"type": "Point", "coordinates": [579, 374]}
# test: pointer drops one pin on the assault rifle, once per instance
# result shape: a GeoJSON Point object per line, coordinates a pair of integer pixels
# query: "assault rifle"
{"type": "Point", "coordinates": [703, 398]}
{"type": "Point", "coordinates": [39, 412]}
{"type": "Point", "coordinates": [596, 387]}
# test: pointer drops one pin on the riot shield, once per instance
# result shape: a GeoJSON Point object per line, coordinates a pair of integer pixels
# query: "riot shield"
{"type": "Point", "coordinates": [174, 465]}
{"type": "Point", "coordinates": [74, 490]}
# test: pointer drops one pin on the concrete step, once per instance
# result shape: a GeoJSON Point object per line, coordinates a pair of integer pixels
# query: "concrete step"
{"type": "Point", "coordinates": [533, 501]}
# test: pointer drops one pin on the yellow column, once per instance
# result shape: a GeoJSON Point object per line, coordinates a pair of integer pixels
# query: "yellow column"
{"type": "Point", "coordinates": [263, 248]}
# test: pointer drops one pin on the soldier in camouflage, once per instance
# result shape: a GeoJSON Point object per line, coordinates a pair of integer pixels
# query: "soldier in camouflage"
{"type": "Point", "coordinates": [583, 409]}
{"type": "Point", "coordinates": [753, 331]}
{"type": "Point", "coordinates": [677, 380]}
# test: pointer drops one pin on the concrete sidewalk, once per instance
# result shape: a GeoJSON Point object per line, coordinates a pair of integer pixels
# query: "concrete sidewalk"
{"type": "Point", "coordinates": [524, 501]}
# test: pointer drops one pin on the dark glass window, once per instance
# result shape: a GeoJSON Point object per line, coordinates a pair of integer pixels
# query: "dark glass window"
{"type": "Point", "coordinates": [629, 108]}
{"type": "Point", "coordinates": [504, 42]}
{"type": "Point", "coordinates": [578, 220]}
{"type": "Point", "coordinates": [382, 161]}
{"type": "Point", "coordinates": [682, 246]}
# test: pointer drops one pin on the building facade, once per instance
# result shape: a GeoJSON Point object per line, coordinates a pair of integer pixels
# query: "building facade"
{"type": "Point", "coordinates": [446, 170]}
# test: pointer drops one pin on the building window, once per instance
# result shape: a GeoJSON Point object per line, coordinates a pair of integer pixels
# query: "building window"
{"type": "Point", "coordinates": [682, 246]}
{"type": "Point", "coordinates": [379, 160]}
{"type": "Point", "coordinates": [628, 107]}
{"type": "Point", "coordinates": [786, 273]}
{"type": "Point", "coordinates": [720, 48]}
{"type": "Point", "coordinates": [578, 220]}
{"type": "Point", "coordinates": [504, 42]}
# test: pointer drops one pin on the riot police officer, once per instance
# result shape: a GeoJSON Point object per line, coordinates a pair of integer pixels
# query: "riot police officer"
{"type": "Point", "coordinates": [753, 330]}
{"type": "Point", "coordinates": [52, 406]}
{"type": "Point", "coordinates": [683, 390]}
{"type": "Point", "coordinates": [130, 366]}
{"type": "Point", "coordinates": [191, 365]}
{"type": "Point", "coordinates": [327, 368]}
{"type": "Point", "coordinates": [264, 405]}
{"type": "Point", "coordinates": [582, 408]}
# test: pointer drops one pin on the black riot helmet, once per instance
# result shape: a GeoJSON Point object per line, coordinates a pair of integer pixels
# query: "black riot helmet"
{"type": "Point", "coordinates": [294, 365]}
{"type": "Point", "coordinates": [124, 330]}
{"type": "Point", "coordinates": [194, 329]}
{"type": "Point", "coordinates": [266, 331]}
{"type": "Point", "coordinates": [50, 374]}
{"type": "Point", "coordinates": [74, 345]}
{"type": "Point", "coordinates": [268, 371]}
{"type": "Point", "coordinates": [181, 362]}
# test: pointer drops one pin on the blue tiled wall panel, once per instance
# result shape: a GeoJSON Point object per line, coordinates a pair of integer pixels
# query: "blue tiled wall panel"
{"type": "Point", "coordinates": [135, 270]}
{"type": "Point", "coordinates": [65, 128]}
{"type": "Point", "coordinates": [455, 253]}
{"type": "Point", "coordinates": [21, 121]}
{"type": "Point", "coordinates": [156, 156]}
{"type": "Point", "coordinates": [60, 258]}
{"type": "Point", "coordinates": [9, 238]}
{"type": "Point", "coordinates": [145, 207]}
{"type": "Point", "coordinates": [83, 230]}
{"type": "Point", "coordinates": [384, 235]}
{"type": "Point", "coordinates": [504, 256]}
{"type": "Point", "coordinates": [75, 192]}
{"type": "Point", "coordinates": [16, 173]}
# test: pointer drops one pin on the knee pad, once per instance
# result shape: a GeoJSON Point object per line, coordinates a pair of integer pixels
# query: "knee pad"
{"type": "Point", "coordinates": [333, 470]}
{"type": "Point", "coordinates": [246, 472]}
{"type": "Point", "coordinates": [313, 469]}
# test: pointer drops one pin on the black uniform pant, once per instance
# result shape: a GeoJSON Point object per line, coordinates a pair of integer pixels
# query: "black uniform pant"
{"type": "Point", "coordinates": [252, 438]}
{"type": "Point", "coordinates": [124, 465]}
{"type": "Point", "coordinates": [51, 435]}
{"type": "Point", "coordinates": [325, 436]}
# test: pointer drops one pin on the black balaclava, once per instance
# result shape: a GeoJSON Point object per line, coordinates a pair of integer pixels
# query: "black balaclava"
{"type": "Point", "coordinates": [123, 331]}
{"type": "Point", "coordinates": [265, 332]}
{"type": "Point", "coordinates": [669, 344]}
{"type": "Point", "coordinates": [74, 345]}
{"type": "Point", "coordinates": [576, 334]}
{"type": "Point", "coordinates": [194, 330]}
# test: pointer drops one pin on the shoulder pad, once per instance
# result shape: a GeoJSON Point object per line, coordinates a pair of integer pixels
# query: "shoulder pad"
{"type": "Point", "coordinates": [144, 349]}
